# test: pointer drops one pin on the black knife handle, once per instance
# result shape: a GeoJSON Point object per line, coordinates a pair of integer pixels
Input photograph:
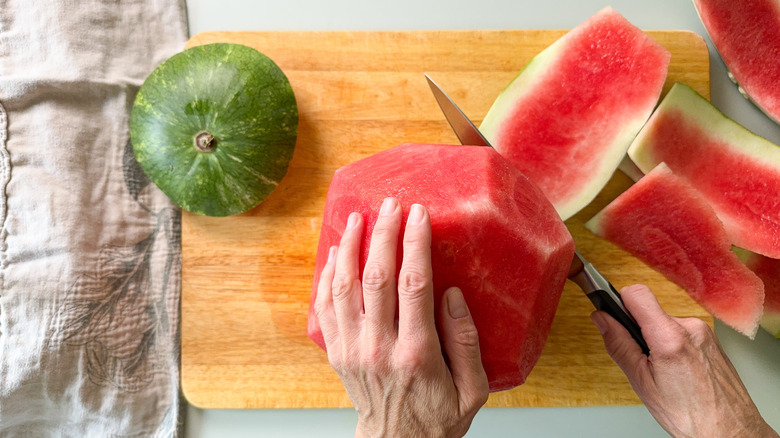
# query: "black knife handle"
{"type": "Point", "coordinates": [602, 301]}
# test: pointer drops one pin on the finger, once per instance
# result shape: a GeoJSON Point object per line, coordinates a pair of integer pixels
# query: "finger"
{"type": "Point", "coordinates": [620, 345]}
{"type": "Point", "coordinates": [461, 343]}
{"type": "Point", "coordinates": [415, 282]}
{"type": "Point", "coordinates": [323, 303]}
{"type": "Point", "coordinates": [657, 326]}
{"type": "Point", "coordinates": [379, 284]}
{"type": "Point", "coordinates": [347, 295]}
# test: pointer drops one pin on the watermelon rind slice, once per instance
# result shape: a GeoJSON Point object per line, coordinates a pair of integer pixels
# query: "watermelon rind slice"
{"type": "Point", "coordinates": [746, 35]}
{"type": "Point", "coordinates": [737, 171]}
{"type": "Point", "coordinates": [568, 117]}
{"type": "Point", "coordinates": [666, 223]}
{"type": "Point", "coordinates": [768, 270]}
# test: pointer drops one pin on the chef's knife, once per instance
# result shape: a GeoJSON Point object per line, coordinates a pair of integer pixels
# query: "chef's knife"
{"type": "Point", "coordinates": [600, 292]}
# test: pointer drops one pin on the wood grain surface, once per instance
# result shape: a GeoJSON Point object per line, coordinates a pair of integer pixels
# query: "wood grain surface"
{"type": "Point", "coordinates": [246, 280]}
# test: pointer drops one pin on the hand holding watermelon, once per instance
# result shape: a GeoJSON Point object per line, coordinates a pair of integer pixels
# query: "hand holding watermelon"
{"type": "Point", "coordinates": [392, 366]}
{"type": "Point", "coordinates": [687, 383]}
{"type": "Point", "coordinates": [401, 384]}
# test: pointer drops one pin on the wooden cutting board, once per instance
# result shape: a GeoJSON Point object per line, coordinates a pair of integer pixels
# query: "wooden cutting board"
{"type": "Point", "coordinates": [246, 280]}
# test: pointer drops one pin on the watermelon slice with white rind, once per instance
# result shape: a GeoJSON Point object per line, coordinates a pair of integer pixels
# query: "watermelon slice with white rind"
{"type": "Point", "coordinates": [768, 270]}
{"type": "Point", "coordinates": [668, 225]}
{"type": "Point", "coordinates": [495, 236]}
{"type": "Point", "coordinates": [736, 171]}
{"type": "Point", "coordinates": [746, 34]}
{"type": "Point", "coordinates": [567, 119]}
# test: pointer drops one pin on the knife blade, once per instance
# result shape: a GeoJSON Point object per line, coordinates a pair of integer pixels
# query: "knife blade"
{"type": "Point", "coordinates": [465, 130]}
{"type": "Point", "coordinates": [598, 289]}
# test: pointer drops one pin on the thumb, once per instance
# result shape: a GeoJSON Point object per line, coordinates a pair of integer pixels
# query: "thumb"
{"type": "Point", "coordinates": [461, 343]}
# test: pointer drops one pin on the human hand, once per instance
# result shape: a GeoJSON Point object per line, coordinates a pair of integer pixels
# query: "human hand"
{"type": "Point", "coordinates": [393, 368]}
{"type": "Point", "coordinates": [687, 382]}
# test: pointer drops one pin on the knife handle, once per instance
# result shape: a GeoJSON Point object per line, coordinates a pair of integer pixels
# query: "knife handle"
{"type": "Point", "coordinates": [603, 301]}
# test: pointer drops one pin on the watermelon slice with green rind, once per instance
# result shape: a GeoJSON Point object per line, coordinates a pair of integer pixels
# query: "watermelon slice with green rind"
{"type": "Point", "coordinates": [567, 119]}
{"type": "Point", "coordinates": [736, 171]}
{"type": "Point", "coordinates": [667, 224]}
{"type": "Point", "coordinates": [768, 270]}
{"type": "Point", "coordinates": [747, 37]}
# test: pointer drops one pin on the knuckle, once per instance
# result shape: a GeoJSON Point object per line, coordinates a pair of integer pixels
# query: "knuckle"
{"type": "Point", "coordinates": [673, 346]}
{"type": "Point", "coordinates": [414, 237]}
{"type": "Point", "coordinates": [376, 278]}
{"type": "Point", "coordinates": [321, 310]}
{"type": "Point", "coordinates": [372, 359]}
{"type": "Point", "coordinates": [699, 332]}
{"type": "Point", "coordinates": [383, 229]}
{"type": "Point", "coordinates": [341, 287]}
{"type": "Point", "coordinates": [411, 361]}
{"type": "Point", "coordinates": [617, 350]}
{"type": "Point", "coordinates": [469, 338]}
{"type": "Point", "coordinates": [413, 282]}
{"type": "Point", "coordinates": [698, 327]}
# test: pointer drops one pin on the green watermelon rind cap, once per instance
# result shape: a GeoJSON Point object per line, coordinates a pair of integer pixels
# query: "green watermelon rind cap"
{"type": "Point", "coordinates": [683, 100]}
{"type": "Point", "coordinates": [238, 95]}
{"type": "Point", "coordinates": [524, 84]}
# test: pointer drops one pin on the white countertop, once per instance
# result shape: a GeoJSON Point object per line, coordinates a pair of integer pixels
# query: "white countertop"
{"type": "Point", "coordinates": [758, 361]}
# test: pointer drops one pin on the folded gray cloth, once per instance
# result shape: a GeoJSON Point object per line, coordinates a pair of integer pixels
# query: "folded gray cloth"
{"type": "Point", "coordinates": [89, 249]}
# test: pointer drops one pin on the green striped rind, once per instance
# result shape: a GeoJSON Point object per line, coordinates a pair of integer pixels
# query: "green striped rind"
{"type": "Point", "coordinates": [699, 110]}
{"type": "Point", "coordinates": [238, 95]}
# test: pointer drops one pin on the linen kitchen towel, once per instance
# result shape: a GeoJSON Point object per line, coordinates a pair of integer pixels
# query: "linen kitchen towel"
{"type": "Point", "coordinates": [89, 249]}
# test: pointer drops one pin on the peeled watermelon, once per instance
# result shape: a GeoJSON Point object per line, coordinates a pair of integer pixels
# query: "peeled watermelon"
{"type": "Point", "coordinates": [575, 108]}
{"type": "Point", "coordinates": [495, 236]}
{"type": "Point", "coordinates": [667, 224]}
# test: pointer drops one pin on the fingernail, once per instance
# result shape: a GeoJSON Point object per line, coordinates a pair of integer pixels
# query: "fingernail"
{"type": "Point", "coordinates": [388, 206]}
{"type": "Point", "coordinates": [352, 221]}
{"type": "Point", "coordinates": [456, 304]}
{"type": "Point", "coordinates": [601, 323]}
{"type": "Point", "coordinates": [416, 215]}
{"type": "Point", "coordinates": [332, 253]}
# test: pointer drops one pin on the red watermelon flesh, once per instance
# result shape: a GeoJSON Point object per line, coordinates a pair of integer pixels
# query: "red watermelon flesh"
{"type": "Point", "coordinates": [737, 171]}
{"type": "Point", "coordinates": [747, 36]}
{"type": "Point", "coordinates": [768, 270]}
{"type": "Point", "coordinates": [495, 236]}
{"type": "Point", "coordinates": [667, 224]}
{"type": "Point", "coordinates": [576, 106]}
